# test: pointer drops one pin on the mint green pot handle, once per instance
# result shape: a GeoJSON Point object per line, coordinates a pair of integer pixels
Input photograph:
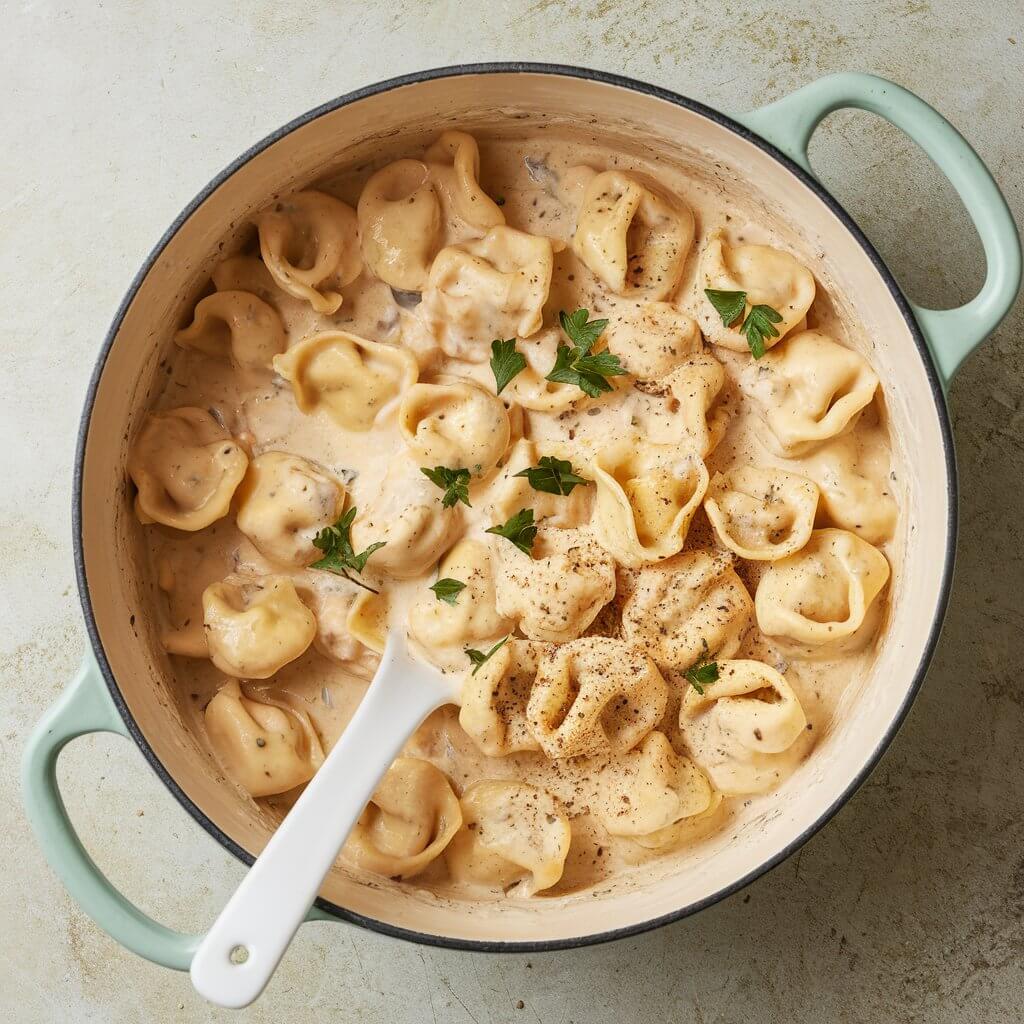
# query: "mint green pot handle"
{"type": "Point", "coordinates": [952, 334]}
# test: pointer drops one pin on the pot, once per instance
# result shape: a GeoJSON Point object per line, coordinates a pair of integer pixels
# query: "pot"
{"type": "Point", "coordinates": [124, 683]}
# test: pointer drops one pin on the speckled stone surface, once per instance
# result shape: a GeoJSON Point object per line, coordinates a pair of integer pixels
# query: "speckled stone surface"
{"type": "Point", "coordinates": [908, 907]}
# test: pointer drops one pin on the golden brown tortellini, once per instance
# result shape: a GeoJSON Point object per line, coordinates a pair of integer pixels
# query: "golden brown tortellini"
{"type": "Point", "coordinates": [400, 224]}
{"type": "Point", "coordinates": [413, 815]}
{"type": "Point", "coordinates": [770, 277]}
{"type": "Point", "coordinates": [743, 730]}
{"type": "Point", "coordinates": [186, 468]}
{"type": "Point", "coordinates": [235, 325]}
{"type": "Point", "coordinates": [646, 791]}
{"type": "Point", "coordinates": [283, 503]}
{"type": "Point", "coordinates": [255, 626]}
{"type": "Point", "coordinates": [761, 514]}
{"type": "Point", "coordinates": [266, 746]}
{"type": "Point", "coordinates": [646, 496]}
{"type": "Point", "coordinates": [513, 834]}
{"type": "Point", "coordinates": [487, 288]}
{"type": "Point", "coordinates": [454, 423]}
{"type": "Point", "coordinates": [652, 341]}
{"type": "Point", "coordinates": [454, 164]}
{"type": "Point", "coordinates": [631, 237]}
{"type": "Point", "coordinates": [595, 694]}
{"type": "Point", "coordinates": [445, 629]}
{"type": "Point", "coordinates": [823, 598]}
{"type": "Point", "coordinates": [809, 390]}
{"type": "Point", "coordinates": [355, 381]}
{"type": "Point", "coordinates": [555, 592]}
{"type": "Point", "coordinates": [494, 698]}
{"type": "Point", "coordinates": [688, 607]}
{"type": "Point", "coordinates": [310, 244]}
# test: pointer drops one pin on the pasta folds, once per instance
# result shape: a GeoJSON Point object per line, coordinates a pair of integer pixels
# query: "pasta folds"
{"type": "Point", "coordinates": [310, 244]}
{"type": "Point", "coordinates": [512, 492]}
{"type": "Point", "coordinates": [595, 694]}
{"type": "Point", "coordinates": [761, 514]}
{"type": "Point", "coordinates": [341, 628]}
{"type": "Point", "coordinates": [686, 608]}
{"type": "Point", "coordinates": [742, 727]}
{"type": "Point", "coordinates": [556, 590]}
{"type": "Point", "coordinates": [456, 424]}
{"type": "Point", "coordinates": [186, 468]}
{"type": "Point", "coordinates": [267, 747]}
{"type": "Point", "coordinates": [494, 699]}
{"type": "Point", "coordinates": [255, 627]}
{"type": "Point", "coordinates": [646, 496]}
{"type": "Point", "coordinates": [654, 340]}
{"type": "Point", "coordinates": [513, 834]}
{"type": "Point", "coordinates": [413, 815]}
{"type": "Point", "coordinates": [646, 791]}
{"type": "Point", "coordinates": [283, 503]}
{"type": "Point", "coordinates": [820, 597]}
{"type": "Point", "coordinates": [235, 325]}
{"type": "Point", "coordinates": [770, 277]}
{"type": "Point", "coordinates": [454, 163]}
{"type": "Point", "coordinates": [400, 224]}
{"type": "Point", "coordinates": [631, 237]}
{"type": "Point", "coordinates": [809, 390]}
{"type": "Point", "coordinates": [353, 380]}
{"type": "Point", "coordinates": [473, 618]}
{"type": "Point", "coordinates": [487, 288]}
{"type": "Point", "coordinates": [530, 388]}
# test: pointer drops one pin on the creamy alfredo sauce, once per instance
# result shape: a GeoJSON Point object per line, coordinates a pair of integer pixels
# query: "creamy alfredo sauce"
{"type": "Point", "coordinates": [669, 782]}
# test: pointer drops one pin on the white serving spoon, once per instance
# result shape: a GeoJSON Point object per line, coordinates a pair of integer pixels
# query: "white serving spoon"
{"type": "Point", "coordinates": [240, 952]}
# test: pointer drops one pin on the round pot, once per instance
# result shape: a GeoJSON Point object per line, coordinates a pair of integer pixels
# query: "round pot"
{"type": "Point", "coordinates": [125, 683]}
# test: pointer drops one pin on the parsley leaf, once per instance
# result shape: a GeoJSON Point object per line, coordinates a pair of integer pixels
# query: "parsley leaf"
{"type": "Point", "coordinates": [339, 555]}
{"type": "Point", "coordinates": [520, 530]}
{"type": "Point", "coordinates": [575, 364]}
{"type": "Point", "coordinates": [454, 483]}
{"type": "Point", "coordinates": [583, 333]}
{"type": "Point", "coordinates": [448, 590]}
{"type": "Point", "coordinates": [553, 476]}
{"type": "Point", "coordinates": [479, 657]}
{"type": "Point", "coordinates": [702, 674]}
{"type": "Point", "coordinates": [729, 305]}
{"type": "Point", "coordinates": [758, 326]}
{"type": "Point", "coordinates": [506, 362]}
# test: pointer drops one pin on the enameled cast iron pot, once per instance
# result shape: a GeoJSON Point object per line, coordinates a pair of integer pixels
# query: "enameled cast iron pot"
{"type": "Point", "coordinates": [124, 685]}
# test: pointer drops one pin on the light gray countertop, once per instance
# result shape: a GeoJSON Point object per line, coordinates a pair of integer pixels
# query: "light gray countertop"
{"type": "Point", "coordinates": [908, 906]}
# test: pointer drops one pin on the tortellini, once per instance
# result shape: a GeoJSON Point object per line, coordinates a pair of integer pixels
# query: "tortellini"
{"type": "Point", "coordinates": [410, 819]}
{"type": "Point", "coordinates": [266, 746]}
{"type": "Point", "coordinates": [741, 728]}
{"type": "Point", "coordinates": [686, 608]}
{"type": "Point", "coordinates": [595, 694]}
{"type": "Point", "coordinates": [512, 492]}
{"type": "Point", "coordinates": [355, 381]}
{"type": "Point", "coordinates": [310, 244]}
{"type": "Point", "coordinates": [555, 592]}
{"type": "Point", "coordinates": [530, 388]}
{"type": "Point", "coordinates": [809, 390]}
{"type": "Point", "coordinates": [255, 627]}
{"type": "Point", "coordinates": [761, 514]}
{"type": "Point", "coordinates": [645, 792]}
{"type": "Point", "coordinates": [236, 325]}
{"type": "Point", "coordinates": [770, 277]}
{"type": "Point", "coordinates": [283, 503]}
{"type": "Point", "coordinates": [631, 237]}
{"type": "Point", "coordinates": [855, 494]}
{"type": "Point", "coordinates": [513, 834]}
{"type": "Point", "coordinates": [400, 224]}
{"type": "Point", "coordinates": [652, 341]}
{"type": "Point", "coordinates": [455, 423]}
{"type": "Point", "coordinates": [487, 288]}
{"type": "Point", "coordinates": [346, 628]}
{"type": "Point", "coordinates": [646, 496]}
{"type": "Point", "coordinates": [186, 468]}
{"type": "Point", "coordinates": [473, 620]}
{"type": "Point", "coordinates": [454, 162]}
{"type": "Point", "coordinates": [821, 597]}
{"type": "Point", "coordinates": [494, 699]}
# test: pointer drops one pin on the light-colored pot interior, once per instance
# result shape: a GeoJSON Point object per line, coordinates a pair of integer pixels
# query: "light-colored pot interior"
{"type": "Point", "coordinates": [120, 591]}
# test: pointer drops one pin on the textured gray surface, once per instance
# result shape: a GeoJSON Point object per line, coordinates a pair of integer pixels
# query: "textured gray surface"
{"type": "Point", "coordinates": [907, 907]}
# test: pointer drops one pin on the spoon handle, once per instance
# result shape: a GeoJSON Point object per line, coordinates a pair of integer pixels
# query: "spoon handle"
{"type": "Point", "coordinates": [240, 952]}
